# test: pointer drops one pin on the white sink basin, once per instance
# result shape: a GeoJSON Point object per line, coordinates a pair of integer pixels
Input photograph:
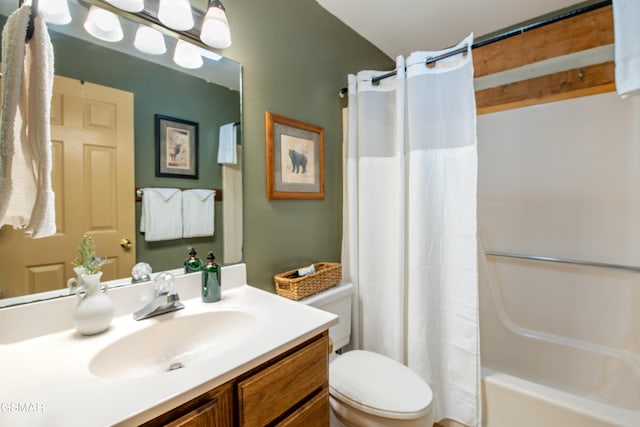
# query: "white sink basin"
{"type": "Point", "coordinates": [172, 344]}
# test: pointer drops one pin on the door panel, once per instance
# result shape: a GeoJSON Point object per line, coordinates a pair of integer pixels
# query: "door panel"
{"type": "Point", "coordinates": [93, 170]}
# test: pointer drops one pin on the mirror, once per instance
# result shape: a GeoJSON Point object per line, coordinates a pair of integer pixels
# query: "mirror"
{"type": "Point", "coordinates": [210, 96]}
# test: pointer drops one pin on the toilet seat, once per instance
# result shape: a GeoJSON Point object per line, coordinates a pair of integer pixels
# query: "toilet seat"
{"type": "Point", "coordinates": [379, 385]}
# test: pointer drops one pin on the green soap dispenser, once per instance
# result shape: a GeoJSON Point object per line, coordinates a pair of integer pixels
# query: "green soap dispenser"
{"type": "Point", "coordinates": [211, 283]}
{"type": "Point", "coordinates": [193, 263]}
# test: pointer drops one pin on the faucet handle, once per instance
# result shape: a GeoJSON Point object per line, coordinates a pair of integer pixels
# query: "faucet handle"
{"type": "Point", "coordinates": [141, 272]}
{"type": "Point", "coordinates": [164, 283]}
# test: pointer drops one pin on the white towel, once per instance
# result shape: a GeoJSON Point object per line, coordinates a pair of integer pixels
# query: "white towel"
{"type": "Point", "coordinates": [26, 196]}
{"type": "Point", "coordinates": [40, 64]}
{"type": "Point", "coordinates": [626, 17]}
{"type": "Point", "coordinates": [198, 212]}
{"type": "Point", "coordinates": [227, 144]}
{"type": "Point", "coordinates": [161, 214]}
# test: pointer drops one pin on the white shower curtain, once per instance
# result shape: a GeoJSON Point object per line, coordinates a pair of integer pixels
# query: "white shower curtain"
{"type": "Point", "coordinates": [409, 243]}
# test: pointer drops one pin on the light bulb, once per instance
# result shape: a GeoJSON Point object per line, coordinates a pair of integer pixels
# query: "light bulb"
{"type": "Point", "coordinates": [55, 11]}
{"type": "Point", "coordinates": [149, 40]}
{"type": "Point", "coordinates": [128, 5]}
{"type": "Point", "coordinates": [215, 29]}
{"type": "Point", "coordinates": [187, 55]}
{"type": "Point", "coordinates": [103, 25]}
{"type": "Point", "coordinates": [176, 14]}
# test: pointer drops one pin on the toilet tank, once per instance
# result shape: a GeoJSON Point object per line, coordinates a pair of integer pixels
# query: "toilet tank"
{"type": "Point", "coordinates": [336, 300]}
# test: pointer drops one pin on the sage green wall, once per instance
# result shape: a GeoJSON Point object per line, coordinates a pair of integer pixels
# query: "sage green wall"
{"type": "Point", "coordinates": [164, 91]}
{"type": "Point", "coordinates": [296, 57]}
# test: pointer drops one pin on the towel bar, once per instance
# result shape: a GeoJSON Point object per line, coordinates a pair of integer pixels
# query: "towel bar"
{"type": "Point", "coordinates": [564, 261]}
{"type": "Point", "coordinates": [139, 191]}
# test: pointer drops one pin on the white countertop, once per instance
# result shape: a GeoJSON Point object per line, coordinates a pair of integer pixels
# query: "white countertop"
{"type": "Point", "coordinates": [46, 381]}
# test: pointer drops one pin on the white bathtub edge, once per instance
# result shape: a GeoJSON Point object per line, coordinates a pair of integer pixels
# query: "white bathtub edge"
{"type": "Point", "coordinates": [504, 400]}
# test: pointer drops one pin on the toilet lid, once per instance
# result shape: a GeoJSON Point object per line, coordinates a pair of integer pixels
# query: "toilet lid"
{"type": "Point", "coordinates": [379, 385]}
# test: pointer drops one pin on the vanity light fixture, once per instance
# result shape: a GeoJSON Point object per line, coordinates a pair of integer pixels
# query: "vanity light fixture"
{"type": "Point", "coordinates": [55, 11]}
{"type": "Point", "coordinates": [128, 5]}
{"type": "Point", "coordinates": [215, 28]}
{"type": "Point", "coordinates": [187, 55]}
{"type": "Point", "coordinates": [103, 25]}
{"type": "Point", "coordinates": [149, 40]}
{"type": "Point", "coordinates": [176, 14]}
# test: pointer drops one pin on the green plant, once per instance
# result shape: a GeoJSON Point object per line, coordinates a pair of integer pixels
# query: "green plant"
{"type": "Point", "coordinates": [87, 258]}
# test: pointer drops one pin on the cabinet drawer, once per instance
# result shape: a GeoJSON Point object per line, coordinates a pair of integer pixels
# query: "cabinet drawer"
{"type": "Point", "coordinates": [206, 415]}
{"type": "Point", "coordinates": [314, 413]}
{"type": "Point", "coordinates": [212, 409]}
{"type": "Point", "coordinates": [271, 392]}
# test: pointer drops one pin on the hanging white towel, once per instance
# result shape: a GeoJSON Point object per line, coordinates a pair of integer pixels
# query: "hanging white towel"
{"type": "Point", "coordinates": [14, 170]}
{"type": "Point", "coordinates": [198, 212]}
{"type": "Point", "coordinates": [40, 64]}
{"type": "Point", "coordinates": [227, 144]}
{"type": "Point", "coordinates": [161, 214]}
{"type": "Point", "coordinates": [626, 16]}
{"type": "Point", "coordinates": [26, 196]}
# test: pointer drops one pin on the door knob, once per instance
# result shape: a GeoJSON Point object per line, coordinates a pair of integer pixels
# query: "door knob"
{"type": "Point", "coordinates": [125, 243]}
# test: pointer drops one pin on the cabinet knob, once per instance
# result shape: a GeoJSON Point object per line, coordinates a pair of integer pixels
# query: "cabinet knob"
{"type": "Point", "coordinates": [125, 243]}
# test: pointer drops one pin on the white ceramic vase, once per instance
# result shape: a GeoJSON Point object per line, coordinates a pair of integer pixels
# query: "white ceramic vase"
{"type": "Point", "coordinates": [94, 312]}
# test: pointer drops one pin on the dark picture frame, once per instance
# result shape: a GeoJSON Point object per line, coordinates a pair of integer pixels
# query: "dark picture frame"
{"type": "Point", "coordinates": [295, 159]}
{"type": "Point", "coordinates": [176, 147]}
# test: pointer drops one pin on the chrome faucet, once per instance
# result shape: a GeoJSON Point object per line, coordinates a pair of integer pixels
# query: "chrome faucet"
{"type": "Point", "coordinates": [166, 299]}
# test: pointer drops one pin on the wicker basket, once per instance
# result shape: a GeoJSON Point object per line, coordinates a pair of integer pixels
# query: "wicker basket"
{"type": "Point", "coordinates": [290, 286]}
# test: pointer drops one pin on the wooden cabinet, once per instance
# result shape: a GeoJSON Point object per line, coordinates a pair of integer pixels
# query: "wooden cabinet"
{"type": "Point", "coordinates": [212, 409]}
{"type": "Point", "coordinates": [289, 390]}
{"type": "Point", "coordinates": [314, 413]}
{"type": "Point", "coordinates": [269, 393]}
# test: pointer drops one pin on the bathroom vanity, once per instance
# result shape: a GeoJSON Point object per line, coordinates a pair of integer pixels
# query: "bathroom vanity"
{"type": "Point", "coordinates": [250, 359]}
{"type": "Point", "coordinates": [290, 389]}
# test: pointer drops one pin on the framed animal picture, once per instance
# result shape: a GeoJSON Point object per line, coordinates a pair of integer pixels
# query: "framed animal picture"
{"type": "Point", "coordinates": [295, 159]}
{"type": "Point", "coordinates": [176, 147]}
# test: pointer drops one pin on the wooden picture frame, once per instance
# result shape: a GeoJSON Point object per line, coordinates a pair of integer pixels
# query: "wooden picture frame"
{"type": "Point", "coordinates": [295, 159]}
{"type": "Point", "coordinates": [176, 147]}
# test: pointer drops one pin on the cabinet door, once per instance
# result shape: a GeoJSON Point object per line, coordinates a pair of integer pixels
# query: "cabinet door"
{"type": "Point", "coordinates": [207, 415]}
{"type": "Point", "coordinates": [212, 409]}
{"type": "Point", "coordinates": [314, 413]}
{"type": "Point", "coordinates": [272, 392]}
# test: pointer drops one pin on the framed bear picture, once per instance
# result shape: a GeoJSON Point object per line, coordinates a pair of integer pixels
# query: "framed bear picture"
{"type": "Point", "coordinates": [295, 159]}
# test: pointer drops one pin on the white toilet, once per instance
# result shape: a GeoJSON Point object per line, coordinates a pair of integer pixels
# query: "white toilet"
{"type": "Point", "coordinates": [366, 388]}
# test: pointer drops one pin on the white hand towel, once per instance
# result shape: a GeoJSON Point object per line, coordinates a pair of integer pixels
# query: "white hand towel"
{"type": "Point", "coordinates": [161, 214]}
{"type": "Point", "coordinates": [26, 196]}
{"type": "Point", "coordinates": [39, 62]}
{"type": "Point", "coordinates": [15, 206]}
{"type": "Point", "coordinates": [198, 212]}
{"type": "Point", "coordinates": [626, 17]}
{"type": "Point", "coordinates": [227, 144]}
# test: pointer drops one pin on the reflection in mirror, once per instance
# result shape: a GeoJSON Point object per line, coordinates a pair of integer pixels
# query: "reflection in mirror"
{"type": "Point", "coordinates": [104, 144]}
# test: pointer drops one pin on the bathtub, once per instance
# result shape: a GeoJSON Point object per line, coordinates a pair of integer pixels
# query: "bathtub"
{"type": "Point", "coordinates": [559, 345]}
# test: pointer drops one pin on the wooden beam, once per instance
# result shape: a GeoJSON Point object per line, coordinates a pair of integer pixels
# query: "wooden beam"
{"type": "Point", "coordinates": [574, 83]}
{"type": "Point", "coordinates": [585, 31]}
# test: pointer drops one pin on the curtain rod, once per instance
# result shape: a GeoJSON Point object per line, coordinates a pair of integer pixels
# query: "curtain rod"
{"type": "Point", "coordinates": [500, 36]}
